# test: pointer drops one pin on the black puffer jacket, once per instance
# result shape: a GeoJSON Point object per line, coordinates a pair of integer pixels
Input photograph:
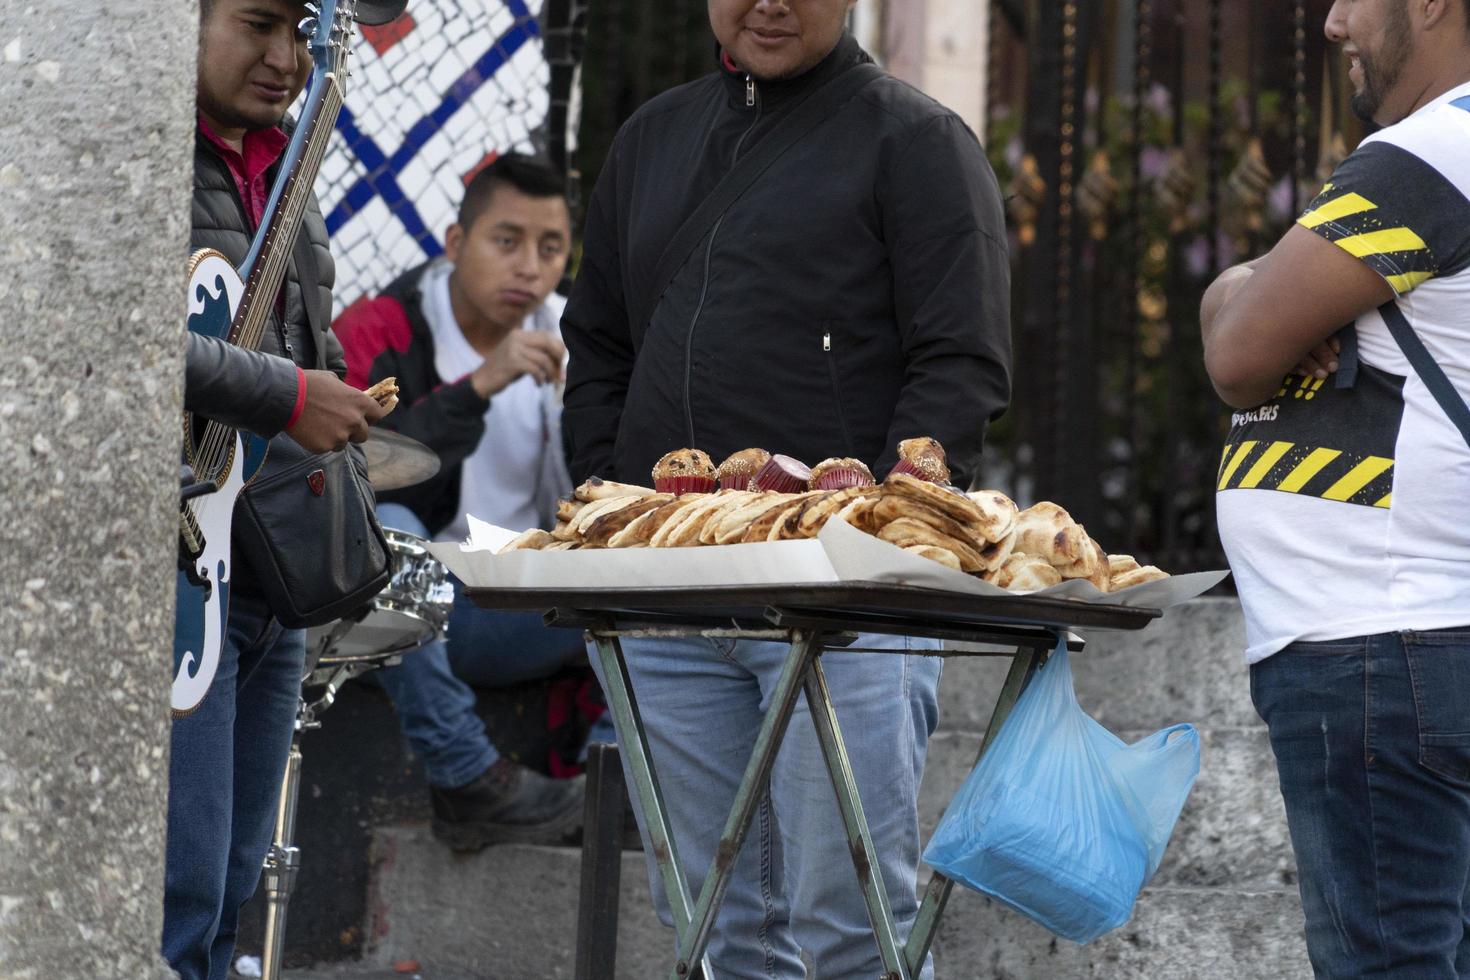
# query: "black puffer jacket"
{"type": "Point", "coordinates": [252, 390]}
{"type": "Point", "coordinates": [219, 223]}
{"type": "Point", "coordinates": [857, 295]}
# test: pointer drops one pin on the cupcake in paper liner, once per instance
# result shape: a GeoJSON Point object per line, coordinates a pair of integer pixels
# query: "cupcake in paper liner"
{"type": "Point", "coordinates": [923, 458]}
{"type": "Point", "coordinates": [782, 474]}
{"type": "Point", "coordinates": [838, 473]}
{"type": "Point", "coordinates": [684, 471]}
{"type": "Point", "coordinates": [736, 472]}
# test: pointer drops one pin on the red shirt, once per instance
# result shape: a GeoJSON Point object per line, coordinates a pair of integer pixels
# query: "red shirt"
{"type": "Point", "coordinates": [261, 149]}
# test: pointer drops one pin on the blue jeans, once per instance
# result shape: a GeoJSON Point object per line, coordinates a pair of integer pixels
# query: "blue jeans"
{"type": "Point", "coordinates": [225, 767]}
{"type": "Point", "coordinates": [794, 887]}
{"type": "Point", "coordinates": [1372, 743]}
{"type": "Point", "coordinates": [431, 689]}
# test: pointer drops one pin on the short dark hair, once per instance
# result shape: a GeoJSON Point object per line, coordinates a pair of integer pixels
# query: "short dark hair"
{"type": "Point", "coordinates": [530, 175]}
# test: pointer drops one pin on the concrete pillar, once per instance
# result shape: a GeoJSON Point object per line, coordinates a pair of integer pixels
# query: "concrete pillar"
{"type": "Point", "coordinates": [956, 43]}
{"type": "Point", "coordinates": [96, 118]}
{"type": "Point", "coordinates": [940, 47]}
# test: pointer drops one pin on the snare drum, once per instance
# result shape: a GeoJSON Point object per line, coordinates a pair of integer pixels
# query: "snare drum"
{"type": "Point", "coordinates": [412, 610]}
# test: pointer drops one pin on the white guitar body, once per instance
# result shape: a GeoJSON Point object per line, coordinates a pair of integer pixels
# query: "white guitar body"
{"type": "Point", "coordinates": [215, 291]}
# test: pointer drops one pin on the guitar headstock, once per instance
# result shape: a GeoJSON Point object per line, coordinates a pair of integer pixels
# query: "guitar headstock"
{"type": "Point", "coordinates": [328, 31]}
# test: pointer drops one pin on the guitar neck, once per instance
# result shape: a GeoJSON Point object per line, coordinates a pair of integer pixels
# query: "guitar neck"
{"type": "Point", "coordinates": [265, 267]}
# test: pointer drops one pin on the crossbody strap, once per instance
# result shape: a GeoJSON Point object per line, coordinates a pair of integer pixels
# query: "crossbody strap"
{"type": "Point", "coordinates": [1430, 373]}
{"type": "Point", "coordinates": [819, 105]}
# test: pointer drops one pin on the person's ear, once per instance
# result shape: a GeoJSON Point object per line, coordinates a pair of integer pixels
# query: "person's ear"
{"type": "Point", "coordinates": [453, 242]}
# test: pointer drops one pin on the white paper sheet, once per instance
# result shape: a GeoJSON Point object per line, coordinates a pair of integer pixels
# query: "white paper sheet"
{"type": "Point", "coordinates": [840, 553]}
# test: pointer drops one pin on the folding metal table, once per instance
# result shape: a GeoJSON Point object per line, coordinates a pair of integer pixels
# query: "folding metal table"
{"type": "Point", "coordinates": [811, 618]}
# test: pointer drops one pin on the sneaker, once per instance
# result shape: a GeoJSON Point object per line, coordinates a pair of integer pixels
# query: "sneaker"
{"type": "Point", "coordinates": [508, 804]}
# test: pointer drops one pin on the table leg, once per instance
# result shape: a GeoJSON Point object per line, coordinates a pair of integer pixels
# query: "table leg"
{"type": "Point", "coordinates": [602, 866]}
{"type": "Point", "coordinates": [633, 742]}
{"type": "Point", "coordinates": [936, 896]}
{"type": "Point", "coordinates": [859, 839]}
{"type": "Point", "coordinates": [799, 662]}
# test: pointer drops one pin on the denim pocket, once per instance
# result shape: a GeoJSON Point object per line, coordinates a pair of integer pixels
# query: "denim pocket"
{"type": "Point", "coordinates": [1439, 669]}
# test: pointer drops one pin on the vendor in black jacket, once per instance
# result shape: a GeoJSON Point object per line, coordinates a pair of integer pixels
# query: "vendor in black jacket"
{"type": "Point", "coordinates": [856, 295]}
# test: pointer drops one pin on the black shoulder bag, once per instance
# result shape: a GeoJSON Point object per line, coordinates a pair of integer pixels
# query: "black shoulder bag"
{"type": "Point", "coordinates": [307, 524]}
{"type": "Point", "coordinates": [1430, 373]}
{"type": "Point", "coordinates": [788, 130]}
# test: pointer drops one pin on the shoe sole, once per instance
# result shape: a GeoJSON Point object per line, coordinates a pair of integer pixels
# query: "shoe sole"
{"type": "Point", "coordinates": [470, 837]}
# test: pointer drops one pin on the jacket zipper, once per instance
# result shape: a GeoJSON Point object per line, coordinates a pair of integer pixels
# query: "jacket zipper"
{"type": "Point", "coordinates": [836, 392]}
{"type": "Point", "coordinates": [750, 100]}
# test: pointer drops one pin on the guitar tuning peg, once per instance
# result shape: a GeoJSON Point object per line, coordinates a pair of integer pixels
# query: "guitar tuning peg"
{"type": "Point", "coordinates": [307, 27]}
{"type": "Point", "coordinates": [312, 9]}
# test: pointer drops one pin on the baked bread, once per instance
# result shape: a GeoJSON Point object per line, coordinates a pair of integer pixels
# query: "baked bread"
{"type": "Point", "coordinates": [730, 525]}
{"type": "Point", "coordinates": [1047, 531]}
{"type": "Point", "coordinates": [859, 513]}
{"type": "Point", "coordinates": [600, 532]}
{"type": "Point", "coordinates": [826, 505]}
{"type": "Point", "coordinates": [671, 515]}
{"type": "Point", "coordinates": [533, 539]}
{"type": "Point", "coordinates": [999, 513]}
{"type": "Point", "coordinates": [385, 393]}
{"type": "Point", "coordinates": [568, 509]}
{"type": "Point", "coordinates": [1025, 573]}
{"type": "Point", "coordinates": [1137, 576]}
{"type": "Point", "coordinates": [951, 503]}
{"type": "Point", "coordinates": [1118, 564]}
{"type": "Point", "coordinates": [769, 521]}
{"type": "Point", "coordinates": [596, 488]}
{"type": "Point", "coordinates": [908, 531]}
{"type": "Point", "coordinates": [944, 556]}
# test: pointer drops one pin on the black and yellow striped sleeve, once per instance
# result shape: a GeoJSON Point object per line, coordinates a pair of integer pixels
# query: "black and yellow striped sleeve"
{"type": "Point", "coordinates": [1397, 213]}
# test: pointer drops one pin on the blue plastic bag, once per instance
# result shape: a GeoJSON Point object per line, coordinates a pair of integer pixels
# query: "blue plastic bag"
{"type": "Point", "coordinates": [1061, 820]}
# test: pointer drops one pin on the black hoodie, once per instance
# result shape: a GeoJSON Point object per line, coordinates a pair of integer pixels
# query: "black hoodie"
{"type": "Point", "coordinates": [858, 294]}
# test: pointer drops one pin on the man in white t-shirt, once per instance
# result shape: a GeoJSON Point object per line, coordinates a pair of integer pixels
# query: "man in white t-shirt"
{"type": "Point", "coordinates": [473, 340]}
{"type": "Point", "coordinates": [1344, 505]}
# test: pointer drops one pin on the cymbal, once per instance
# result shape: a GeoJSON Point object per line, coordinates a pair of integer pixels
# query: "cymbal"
{"type": "Point", "coordinates": [395, 461]}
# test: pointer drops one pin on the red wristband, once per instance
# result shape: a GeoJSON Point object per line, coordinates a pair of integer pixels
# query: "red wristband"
{"type": "Point", "coordinates": [300, 397]}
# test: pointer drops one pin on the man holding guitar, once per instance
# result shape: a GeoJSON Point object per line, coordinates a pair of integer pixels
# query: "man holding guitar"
{"type": "Point", "coordinates": [229, 745]}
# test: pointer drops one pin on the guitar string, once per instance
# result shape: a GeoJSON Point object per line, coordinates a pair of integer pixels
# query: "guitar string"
{"type": "Point", "coordinates": [218, 438]}
{"type": "Point", "coordinates": [216, 444]}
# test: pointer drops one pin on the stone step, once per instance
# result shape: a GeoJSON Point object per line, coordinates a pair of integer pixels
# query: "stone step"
{"type": "Point", "coordinates": [1232, 830]}
{"type": "Point", "coordinates": [1175, 934]}
{"type": "Point", "coordinates": [1186, 666]}
{"type": "Point", "coordinates": [509, 913]}
{"type": "Point", "coordinates": [506, 912]}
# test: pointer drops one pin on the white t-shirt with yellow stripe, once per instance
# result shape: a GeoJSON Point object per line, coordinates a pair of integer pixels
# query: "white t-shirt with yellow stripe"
{"type": "Point", "coordinates": [1346, 511]}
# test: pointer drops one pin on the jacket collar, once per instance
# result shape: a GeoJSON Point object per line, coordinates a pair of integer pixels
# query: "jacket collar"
{"type": "Point", "coordinates": [773, 93]}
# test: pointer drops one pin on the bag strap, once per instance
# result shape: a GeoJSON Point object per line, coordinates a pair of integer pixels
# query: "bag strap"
{"type": "Point", "coordinates": [1430, 373]}
{"type": "Point", "coordinates": [787, 131]}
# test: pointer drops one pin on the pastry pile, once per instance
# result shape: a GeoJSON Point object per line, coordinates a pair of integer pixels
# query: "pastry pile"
{"type": "Point", "coordinates": [758, 497]}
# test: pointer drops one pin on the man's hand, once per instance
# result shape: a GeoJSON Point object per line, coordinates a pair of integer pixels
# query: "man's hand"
{"type": "Point", "coordinates": [522, 352]}
{"type": "Point", "coordinates": [1320, 360]}
{"type": "Point", "coordinates": [334, 414]}
{"type": "Point", "coordinates": [1258, 328]}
